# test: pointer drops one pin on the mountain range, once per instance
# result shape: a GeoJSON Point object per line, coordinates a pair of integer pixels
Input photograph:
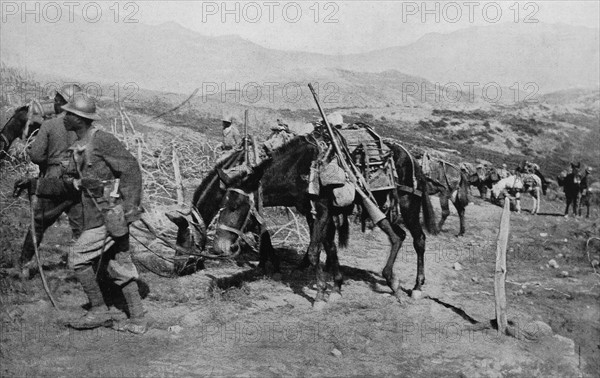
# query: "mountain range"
{"type": "Point", "coordinates": [528, 59]}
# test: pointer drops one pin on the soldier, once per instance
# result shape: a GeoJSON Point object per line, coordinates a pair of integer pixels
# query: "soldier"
{"type": "Point", "coordinates": [503, 172]}
{"type": "Point", "coordinates": [584, 189]}
{"type": "Point", "coordinates": [108, 180]}
{"type": "Point", "coordinates": [231, 134]}
{"type": "Point", "coordinates": [49, 152]}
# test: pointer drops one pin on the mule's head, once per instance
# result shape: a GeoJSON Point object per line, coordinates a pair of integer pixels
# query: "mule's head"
{"type": "Point", "coordinates": [236, 208]}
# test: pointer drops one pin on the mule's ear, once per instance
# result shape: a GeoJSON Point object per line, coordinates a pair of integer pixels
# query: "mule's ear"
{"type": "Point", "coordinates": [178, 219]}
{"type": "Point", "coordinates": [227, 180]}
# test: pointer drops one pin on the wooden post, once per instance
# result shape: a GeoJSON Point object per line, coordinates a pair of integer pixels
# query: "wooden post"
{"type": "Point", "coordinates": [500, 275]}
{"type": "Point", "coordinates": [246, 152]}
{"type": "Point", "coordinates": [259, 203]}
{"type": "Point", "coordinates": [178, 183]}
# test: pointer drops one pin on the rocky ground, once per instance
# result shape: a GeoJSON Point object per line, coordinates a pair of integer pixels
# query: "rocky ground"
{"type": "Point", "coordinates": [228, 321]}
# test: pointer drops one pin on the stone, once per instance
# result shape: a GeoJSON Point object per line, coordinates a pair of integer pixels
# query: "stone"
{"type": "Point", "coordinates": [595, 263]}
{"type": "Point", "coordinates": [175, 329]}
{"type": "Point", "coordinates": [457, 266]}
{"type": "Point", "coordinates": [564, 273]}
{"type": "Point", "coordinates": [543, 234]}
{"type": "Point", "coordinates": [336, 352]}
{"type": "Point", "coordinates": [416, 294]}
{"type": "Point", "coordinates": [553, 264]}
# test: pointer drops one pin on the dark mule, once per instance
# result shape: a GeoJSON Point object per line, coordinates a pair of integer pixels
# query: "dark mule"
{"type": "Point", "coordinates": [451, 183]}
{"type": "Point", "coordinates": [206, 203]}
{"type": "Point", "coordinates": [483, 179]}
{"type": "Point", "coordinates": [16, 127]}
{"type": "Point", "coordinates": [285, 183]}
{"type": "Point", "coordinates": [571, 184]}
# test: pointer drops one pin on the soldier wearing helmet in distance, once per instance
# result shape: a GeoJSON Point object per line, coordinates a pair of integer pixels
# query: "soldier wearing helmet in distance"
{"type": "Point", "coordinates": [49, 152]}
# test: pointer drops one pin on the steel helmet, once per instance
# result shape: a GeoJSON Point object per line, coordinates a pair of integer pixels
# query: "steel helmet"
{"type": "Point", "coordinates": [228, 118]}
{"type": "Point", "coordinates": [67, 91]}
{"type": "Point", "coordinates": [82, 105]}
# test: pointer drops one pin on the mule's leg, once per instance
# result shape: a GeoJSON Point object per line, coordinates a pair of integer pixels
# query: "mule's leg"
{"type": "Point", "coordinates": [317, 236]}
{"type": "Point", "coordinates": [305, 263]}
{"type": "Point", "coordinates": [568, 200]}
{"type": "Point", "coordinates": [333, 262]}
{"type": "Point", "coordinates": [445, 209]}
{"type": "Point", "coordinates": [396, 236]}
{"type": "Point", "coordinates": [518, 202]}
{"type": "Point", "coordinates": [460, 208]}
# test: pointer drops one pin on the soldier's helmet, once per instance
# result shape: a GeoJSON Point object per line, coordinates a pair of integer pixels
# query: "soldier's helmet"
{"type": "Point", "coordinates": [67, 91]}
{"type": "Point", "coordinates": [82, 105]}
{"type": "Point", "coordinates": [228, 118]}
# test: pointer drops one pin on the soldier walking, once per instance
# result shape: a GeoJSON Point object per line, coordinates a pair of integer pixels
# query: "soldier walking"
{"type": "Point", "coordinates": [108, 180]}
{"type": "Point", "coordinates": [49, 152]}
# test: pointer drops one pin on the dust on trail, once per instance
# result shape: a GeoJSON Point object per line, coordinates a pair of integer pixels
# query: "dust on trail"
{"type": "Point", "coordinates": [257, 326]}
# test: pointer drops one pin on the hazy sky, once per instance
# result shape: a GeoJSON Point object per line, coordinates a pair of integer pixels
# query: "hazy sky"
{"type": "Point", "coordinates": [342, 27]}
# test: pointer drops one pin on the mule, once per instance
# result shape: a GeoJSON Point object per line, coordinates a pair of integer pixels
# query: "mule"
{"type": "Point", "coordinates": [17, 127]}
{"type": "Point", "coordinates": [483, 179]}
{"type": "Point", "coordinates": [517, 184]}
{"type": "Point", "coordinates": [452, 184]}
{"type": "Point", "coordinates": [571, 184]}
{"type": "Point", "coordinates": [285, 183]}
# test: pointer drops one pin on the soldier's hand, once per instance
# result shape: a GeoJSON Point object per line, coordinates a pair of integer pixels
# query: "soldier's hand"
{"type": "Point", "coordinates": [24, 183]}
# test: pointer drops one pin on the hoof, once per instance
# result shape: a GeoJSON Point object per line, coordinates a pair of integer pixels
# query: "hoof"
{"type": "Point", "coordinates": [334, 297]}
{"type": "Point", "coordinates": [319, 305]}
{"type": "Point", "coordinates": [416, 294]}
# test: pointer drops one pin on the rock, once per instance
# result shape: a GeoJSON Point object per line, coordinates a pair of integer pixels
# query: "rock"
{"type": "Point", "coordinates": [457, 266]}
{"type": "Point", "coordinates": [595, 263]}
{"type": "Point", "coordinates": [519, 292]}
{"type": "Point", "coordinates": [474, 279]}
{"type": "Point", "coordinates": [560, 255]}
{"type": "Point", "coordinates": [539, 329]}
{"type": "Point", "coordinates": [416, 294]}
{"type": "Point", "coordinates": [564, 273]}
{"type": "Point", "coordinates": [336, 352]}
{"type": "Point", "coordinates": [175, 329]}
{"type": "Point", "coordinates": [553, 264]}
{"type": "Point", "coordinates": [541, 268]}
{"type": "Point", "coordinates": [567, 344]}
{"type": "Point", "coordinates": [543, 234]}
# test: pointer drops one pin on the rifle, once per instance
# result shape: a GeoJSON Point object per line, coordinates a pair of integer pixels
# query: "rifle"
{"type": "Point", "coordinates": [354, 174]}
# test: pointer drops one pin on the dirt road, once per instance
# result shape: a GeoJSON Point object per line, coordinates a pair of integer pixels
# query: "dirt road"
{"type": "Point", "coordinates": [250, 325]}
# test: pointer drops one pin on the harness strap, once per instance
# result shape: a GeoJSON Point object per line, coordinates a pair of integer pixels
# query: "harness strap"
{"type": "Point", "coordinates": [408, 189]}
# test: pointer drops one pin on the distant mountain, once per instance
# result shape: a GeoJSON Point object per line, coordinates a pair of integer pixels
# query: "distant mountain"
{"type": "Point", "coordinates": [554, 56]}
{"type": "Point", "coordinates": [169, 57]}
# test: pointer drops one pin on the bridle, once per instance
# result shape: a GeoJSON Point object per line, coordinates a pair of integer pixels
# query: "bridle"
{"type": "Point", "coordinates": [251, 213]}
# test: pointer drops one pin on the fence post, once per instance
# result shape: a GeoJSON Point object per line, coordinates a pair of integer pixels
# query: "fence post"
{"type": "Point", "coordinates": [178, 183]}
{"type": "Point", "coordinates": [500, 274]}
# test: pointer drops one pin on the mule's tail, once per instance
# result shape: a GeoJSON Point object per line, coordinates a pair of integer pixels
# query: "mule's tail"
{"type": "Point", "coordinates": [463, 190]}
{"type": "Point", "coordinates": [343, 229]}
{"type": "Point", "coordinates": [428, 213]}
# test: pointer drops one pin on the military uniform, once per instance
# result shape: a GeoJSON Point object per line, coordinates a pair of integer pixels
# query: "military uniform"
{"type": "Point", "coordinates": [49, 152]}
{"type": "Point", "coordinates": [100, 170]}
{"type": "Point", "coordinates": [231, 137]}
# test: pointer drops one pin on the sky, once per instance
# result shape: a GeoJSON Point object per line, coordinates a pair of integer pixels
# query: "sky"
{"type": "Point", "coordinates": [338, 27]}
{"type": "Point", "coordinates": [342, 27]}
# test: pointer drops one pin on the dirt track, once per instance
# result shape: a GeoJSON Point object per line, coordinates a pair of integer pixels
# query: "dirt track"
{"type": "Point", "coordinates": [256, 326]}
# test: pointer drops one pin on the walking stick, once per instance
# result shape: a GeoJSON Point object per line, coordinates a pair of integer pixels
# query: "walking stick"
{"type": "Point", "coordinates": [32, 200]}
{"type": "Point", "coordinates": [246, 152]}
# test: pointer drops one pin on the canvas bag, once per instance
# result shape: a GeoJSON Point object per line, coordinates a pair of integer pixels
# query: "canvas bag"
{"type": "Point", "coordinates": [332, 174]}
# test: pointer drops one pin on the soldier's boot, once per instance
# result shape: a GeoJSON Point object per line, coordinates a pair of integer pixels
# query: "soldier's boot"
{"type": "Point", "coordinates": [137, 322]}
{"type": "Point", "coordinates": [98, 315]}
